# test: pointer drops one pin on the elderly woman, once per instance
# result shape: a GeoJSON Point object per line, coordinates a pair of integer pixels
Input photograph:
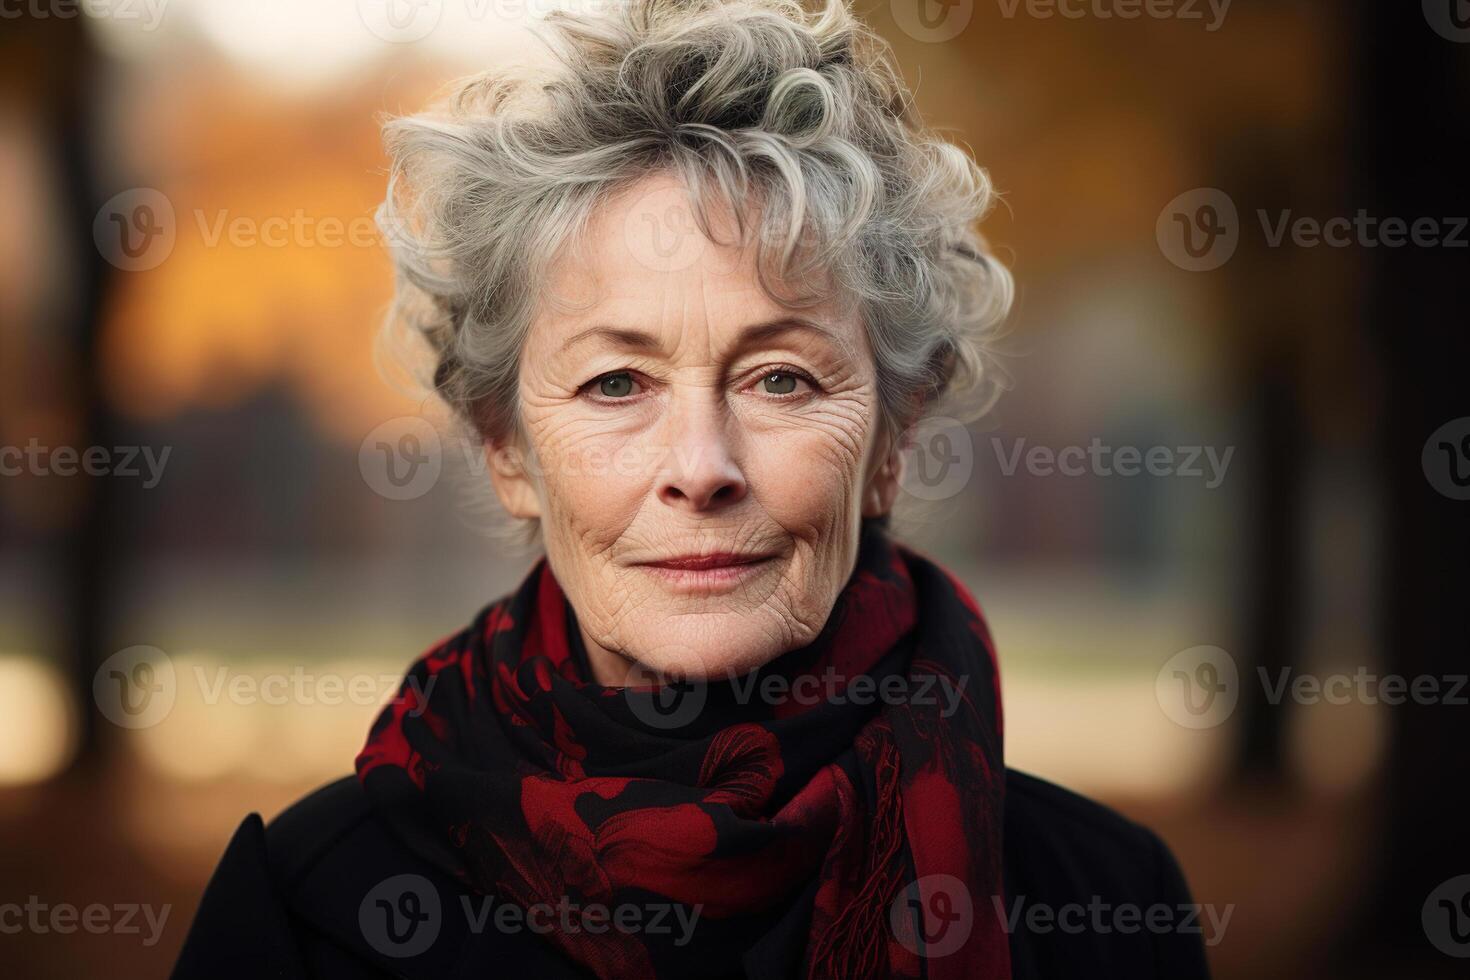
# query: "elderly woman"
{"type": "Point", "coordinates": [688, 284]}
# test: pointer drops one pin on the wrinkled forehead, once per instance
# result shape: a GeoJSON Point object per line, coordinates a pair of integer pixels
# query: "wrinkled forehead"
{"type": "Point", "coordinates": [642, 263]}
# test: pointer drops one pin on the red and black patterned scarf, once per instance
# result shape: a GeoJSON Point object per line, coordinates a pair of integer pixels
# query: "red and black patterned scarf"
{"type": "Point", "coordinates": [837, 812]}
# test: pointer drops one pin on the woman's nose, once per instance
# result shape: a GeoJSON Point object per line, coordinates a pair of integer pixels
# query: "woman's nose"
{"type": "Point", "coordinates": [700, 472]}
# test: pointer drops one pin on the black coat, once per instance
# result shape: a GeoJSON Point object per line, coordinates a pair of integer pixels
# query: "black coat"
{"type": "Point", "coordinates": [285, 900]}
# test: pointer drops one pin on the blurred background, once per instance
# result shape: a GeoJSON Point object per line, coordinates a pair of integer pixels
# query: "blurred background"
{"type": "Point", "coordinates": [1258, 439]}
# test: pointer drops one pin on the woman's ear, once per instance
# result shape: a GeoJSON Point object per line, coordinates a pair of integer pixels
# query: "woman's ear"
{"type": "Point", "coordinates": [882, 486]}
{"type": "Point", "coordinates": [511, 478]}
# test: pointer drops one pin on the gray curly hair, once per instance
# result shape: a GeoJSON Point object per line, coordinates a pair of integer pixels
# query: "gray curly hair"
{"type": "Point", "coordinates": [791, 115]}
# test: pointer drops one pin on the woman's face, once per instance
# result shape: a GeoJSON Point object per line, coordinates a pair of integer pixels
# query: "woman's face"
{"type": "Point", "coordinates": [699, 456]}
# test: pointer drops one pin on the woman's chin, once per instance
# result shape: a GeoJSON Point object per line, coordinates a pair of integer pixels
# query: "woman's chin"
{"type": "Point", "coordinates": [705, 648]}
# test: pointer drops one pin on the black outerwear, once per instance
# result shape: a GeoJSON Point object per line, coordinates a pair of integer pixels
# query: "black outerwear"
{"type": "Point", "coordinates": [286, 900]}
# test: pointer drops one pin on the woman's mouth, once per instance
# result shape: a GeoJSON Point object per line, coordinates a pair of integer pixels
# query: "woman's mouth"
{"type": "Point", "coordinates": [707, 574]}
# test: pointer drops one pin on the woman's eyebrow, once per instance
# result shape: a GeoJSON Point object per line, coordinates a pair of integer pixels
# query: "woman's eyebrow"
{"type": "Point", "coordinates": [757, 332]}
{"type": "Point", "coordinates": [749, 335]}
{"type": "Point", "coordinates": [621, 337]}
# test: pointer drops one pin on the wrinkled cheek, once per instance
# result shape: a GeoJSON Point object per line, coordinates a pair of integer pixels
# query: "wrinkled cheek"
{"type": "Point", "coordinates": [808, 483]}
{"type": "Point", "coordinates": [592, 488]}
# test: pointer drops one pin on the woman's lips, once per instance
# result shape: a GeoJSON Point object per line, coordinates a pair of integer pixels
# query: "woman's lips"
{"type": "Point", "coordinates": [707, 573]}
{"type": "Point", "coordinates": [721, 559]}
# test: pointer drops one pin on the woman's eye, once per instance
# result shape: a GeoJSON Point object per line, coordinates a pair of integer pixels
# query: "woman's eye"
{"type": "Point", "coordinates": [618, 385]}
{"type": "Point", "coordinates": [779, 383]}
